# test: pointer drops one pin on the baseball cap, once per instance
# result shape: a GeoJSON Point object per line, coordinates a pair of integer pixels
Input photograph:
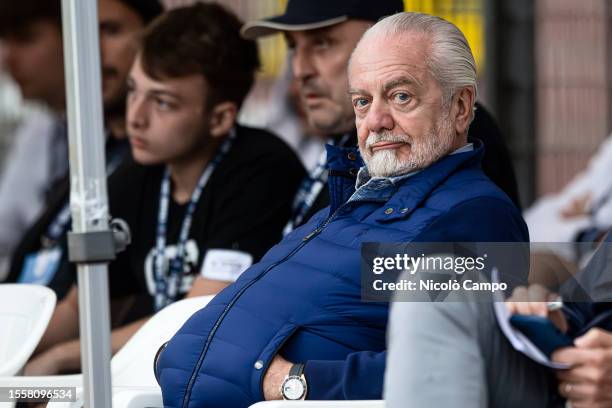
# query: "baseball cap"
{"type": "Point", "coordinates": [303, 15]}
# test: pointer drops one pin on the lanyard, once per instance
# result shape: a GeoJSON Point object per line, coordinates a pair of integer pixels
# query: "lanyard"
{"type": "Point", "coordinates": [166, 287]}
{"type": "Point", "coordinates": [311, 187]}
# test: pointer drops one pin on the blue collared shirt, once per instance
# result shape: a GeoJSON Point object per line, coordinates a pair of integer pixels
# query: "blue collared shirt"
{"type": "Point", "coordinates": [369, 188]}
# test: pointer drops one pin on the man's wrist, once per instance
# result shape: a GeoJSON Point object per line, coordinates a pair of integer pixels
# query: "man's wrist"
{"type": "Point", "coordinates": [285, 372]}
{"type": "Point", "coordinates": [294, 386]}
{"type": "Point", "coordinates": [273, 379]}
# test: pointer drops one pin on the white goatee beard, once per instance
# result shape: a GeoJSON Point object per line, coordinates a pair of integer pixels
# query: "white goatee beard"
{"type": "Point", "coordinates": [434, 146]}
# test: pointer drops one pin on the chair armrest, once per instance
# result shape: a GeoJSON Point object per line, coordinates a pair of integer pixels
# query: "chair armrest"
{"type": "Point", "coordinates": [123, 397]}
{"type": "Point", "coordinates": [320, 404]}
{"type": "Point", "coordinates": [137, 397]}
{"type": "Point", "coordinates": [75, 380]}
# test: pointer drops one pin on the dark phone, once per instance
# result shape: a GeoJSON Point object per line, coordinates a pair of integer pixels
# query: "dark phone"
{"type": "Point", "coordinates": [542, 332]}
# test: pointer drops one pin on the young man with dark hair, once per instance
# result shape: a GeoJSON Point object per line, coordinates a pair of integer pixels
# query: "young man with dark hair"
{"type": "Point", "coordinates": [120, 23]}
{"type": "Point", "coordinates": [205, 197]}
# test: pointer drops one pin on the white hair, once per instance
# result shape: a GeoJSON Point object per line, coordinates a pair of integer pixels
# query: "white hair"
{"type": "Point", "coordinates": [450, 59]}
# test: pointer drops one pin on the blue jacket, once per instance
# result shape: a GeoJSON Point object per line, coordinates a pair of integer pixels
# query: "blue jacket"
{"type": "Point", "coordinates": [303, 299]}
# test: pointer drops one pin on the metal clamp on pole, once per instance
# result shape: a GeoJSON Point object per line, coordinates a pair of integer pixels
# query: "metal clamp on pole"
{"type": "Point", "coordinates": [99, 246]}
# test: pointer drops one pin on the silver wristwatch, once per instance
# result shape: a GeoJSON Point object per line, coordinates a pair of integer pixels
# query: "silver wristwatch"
{"type": "Point", "coordinates": [294, 387]}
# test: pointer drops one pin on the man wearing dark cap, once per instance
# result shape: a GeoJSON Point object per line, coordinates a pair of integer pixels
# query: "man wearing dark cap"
{"type": "Point", "coordinates": [321, 35]}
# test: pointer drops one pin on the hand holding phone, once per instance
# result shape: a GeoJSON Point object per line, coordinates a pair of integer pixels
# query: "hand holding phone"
{"type": "Point", "coordinates": [542, 333]}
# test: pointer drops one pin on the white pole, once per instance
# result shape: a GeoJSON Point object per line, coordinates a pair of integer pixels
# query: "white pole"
{"type": "Point", "coordinates": [88, 197]}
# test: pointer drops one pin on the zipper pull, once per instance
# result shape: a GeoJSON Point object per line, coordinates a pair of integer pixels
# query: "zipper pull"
{"type": "Point", "coordinates": [312, 234]}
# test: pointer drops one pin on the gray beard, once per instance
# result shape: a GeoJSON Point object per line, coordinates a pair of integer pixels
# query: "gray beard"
{"type": "Point", "coordinates": [433, 147]}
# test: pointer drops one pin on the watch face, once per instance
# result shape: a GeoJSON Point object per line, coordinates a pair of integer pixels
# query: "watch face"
{"type": "Point", "coordinates": [293, 388]}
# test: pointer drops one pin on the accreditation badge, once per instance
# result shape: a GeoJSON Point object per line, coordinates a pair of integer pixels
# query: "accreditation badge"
{"type": "Point", "coordinates": [225, 264]}
{"type": "Point", "coordinates": [40, 267]}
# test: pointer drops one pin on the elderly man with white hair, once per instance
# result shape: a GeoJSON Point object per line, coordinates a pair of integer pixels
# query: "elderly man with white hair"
{"type": "Point", "coordinates": [295, 326]}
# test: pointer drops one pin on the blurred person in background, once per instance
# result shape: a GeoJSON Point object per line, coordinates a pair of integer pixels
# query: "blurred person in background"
{"type": "Point", "coordinates": [13, 111]}
{"type": "Point", "coordinates": [204, 197]}
{"type": "Point", "coordinates": [41, 256]}
{"type": "Point", "coordinates": [580, 213]}
{"type": "Point", "coordinates": [321, 35]}
{"type": "Point", "coordinates": [121, 22]}
{"type": "Point", "coordinates": [30, 33]}
{"type": "Point", "coordinates": [284, 113]}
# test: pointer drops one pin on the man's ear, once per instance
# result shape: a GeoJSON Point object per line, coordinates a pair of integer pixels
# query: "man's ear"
{"type": "Point", "coordinates": [463, 105]}
{"type": "Point", "coordinates": [222, 118]}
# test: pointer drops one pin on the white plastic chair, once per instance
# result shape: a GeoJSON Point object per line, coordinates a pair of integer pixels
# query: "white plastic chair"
{"type": "Point", "coordinates": [152, 398]}
{"type": "Point", "coordinates": [25, 311]}
{"type": "Point", "coordinates": [320, 404]}
{"type": "Point", "coordinates": [132, 366]}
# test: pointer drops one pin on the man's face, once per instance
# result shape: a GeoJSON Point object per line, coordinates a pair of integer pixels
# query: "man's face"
{"type": "Point", "coordinates": [319, 58]}
{"type": "Point", "coordinates": [119, 28]}
{"type": "Point", "coordinates": [402, 123]}
{"type": "Point", "coordinates": [166, 119]}
{"type": "Point", "coordinates": [34, 58]}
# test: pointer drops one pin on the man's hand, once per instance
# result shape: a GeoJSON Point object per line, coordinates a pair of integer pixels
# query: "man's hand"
{"type": "Point", "coordinates": [588, 383]}
{"type": "Point", "coordinates": [532, 301]}
{"type": "Point", "coordinates": [578, 207]}
{"type": "Point", "coordinates": [278, 370]}
{"type": "Point", "coordinates": [49, 362]}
